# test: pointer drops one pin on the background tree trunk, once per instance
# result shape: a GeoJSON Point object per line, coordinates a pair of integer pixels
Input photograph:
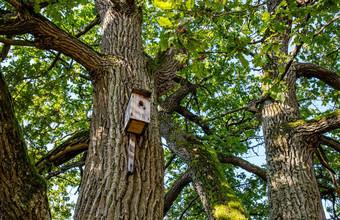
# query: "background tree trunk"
{"type": "Point", "coordinates": [108, 191]}
{"type": "Point", "coordinates": [22, 189]}
{"type": "Point", "coordinates": [292, 188]}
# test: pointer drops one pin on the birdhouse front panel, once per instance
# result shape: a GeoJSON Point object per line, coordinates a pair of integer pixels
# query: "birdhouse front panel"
{"type": "Point", "coordinates": [137, 114]}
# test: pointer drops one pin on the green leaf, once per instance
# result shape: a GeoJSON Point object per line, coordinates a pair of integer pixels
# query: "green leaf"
{"type": "Point", "coordinates": [265, 16]}
{"type": "Point", "coordinates": [162, 4]}
{"type": "Point", "coordinates": [190, 4]}
{"type": "Point", "coordinates": [164, 22]}
{"type": "Point", "coordinates": [242, 59]}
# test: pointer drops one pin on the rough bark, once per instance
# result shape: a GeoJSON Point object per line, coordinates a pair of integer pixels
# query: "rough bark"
{"type": "Point", "coordinates": [108, 191]}
{"type": "Point", "coordinates": [318, 125]}
{"type": "Point", "coordinates": [22, 189]}
{"type": "Point", "coordinates": [292, 188]}
{"type": "Point", "coordinates": [217, 197]}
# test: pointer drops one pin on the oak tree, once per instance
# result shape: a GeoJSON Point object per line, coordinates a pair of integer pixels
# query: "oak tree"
{"type": "Point", "coordinates": [225, 77]}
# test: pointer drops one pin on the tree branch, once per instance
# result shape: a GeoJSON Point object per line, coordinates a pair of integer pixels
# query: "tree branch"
{"type": "Point", "coordinates": [176, 189]}
{"type": "Point", "coordinates": [312, 70]}
{"type": "Point", "coordinates": [88, 27]}
{"type": "Point", "coordinates": [66, 151]}
{"type": "Point", "coordinates": [189, 205]}
{"type": "Point", "coordinates": [169, 161]}
{"type": "Point", "coordinates": [243, 164]}
{"type": "Point", "coordinates": [194, 118]}
{"type": "Point", "coordinates": [174, 100]}
{"type": "Point", "coordinates": [16, 4]}
{"type": "Point", "coordinates": [329, 23]}
{"type": "Point", "coordinates": [4, 51]}
{"type": "Point", "coordinates": [17, 42]}
{"type": "Point", "coordinates": [318, 125]}
{"type": "Point", "coordinates": [208, 178]}
{"type": "Point", "coordinates": [64, 169]}
{"type": "Point", "coordinates": [167, 66]}
{"type": "Point", "coordinates": [48, 36]}
{"type": "Point", "coordinates": [330, 142]}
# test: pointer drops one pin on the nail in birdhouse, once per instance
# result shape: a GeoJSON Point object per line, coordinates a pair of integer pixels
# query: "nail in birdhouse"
{"type": "Point", "coordinates": [137, 114]}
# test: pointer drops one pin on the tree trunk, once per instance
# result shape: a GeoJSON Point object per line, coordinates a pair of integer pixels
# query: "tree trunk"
{"type": "Point", "coordinates": [108, 191]}
{"type": "Point", "coordinates": [218, 198]}
{"type": "Point", "coordinates": [22, 189]}
{"type": "Point", "coordinates": [292, 188]}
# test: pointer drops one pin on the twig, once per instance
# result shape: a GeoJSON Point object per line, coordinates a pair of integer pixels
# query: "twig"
{"type": "Point", "coordinates": [186, 209]}
{"type": "Point", "coordinates": [224, 114]}
{"type": "Point", "coordinates": [65, 168]}
{"type": "Point", "coordinates": [17, 42]}
{"type": "Point", "coordinates": [88, 27]}
{"type": "Point", "coordinates": [169, 161]}
{"type": "Point", "coordinates": [330, 22]}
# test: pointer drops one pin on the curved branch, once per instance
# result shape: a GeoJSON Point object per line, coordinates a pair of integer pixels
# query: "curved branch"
{"type": "Point", "coordinates": [48, 36]}
{"type": "Point", "coordinates": [189, 205]}
{"type": "Point", "coordinates": [69, 149]}
{"type": "Point", "coordinates": [88, 27]}
{"type": "Point", "coordinates": [4, 51]}
{"type": "Point", "coordinates": [318, 125]}
{"type": "Point", "coordinates": [330, 142]}
{"type": "Point", "coordinates": [243, 164]}
{"type": "Point", "coordinates": [194, 118]}
{"type": "Point", "coordinates": [312, 70]}
{"type": "Point", "coordinates": [326, 25]}
{"type": "Point", "coordinates": [176, 189]}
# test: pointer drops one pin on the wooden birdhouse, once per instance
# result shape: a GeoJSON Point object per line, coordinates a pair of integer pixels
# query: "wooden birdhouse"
{"type": "Point", "coordinates": [137, 114]}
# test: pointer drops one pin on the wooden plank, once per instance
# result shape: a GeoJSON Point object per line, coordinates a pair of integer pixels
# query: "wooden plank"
{"type": "Point", "coordinates": [131, 152]}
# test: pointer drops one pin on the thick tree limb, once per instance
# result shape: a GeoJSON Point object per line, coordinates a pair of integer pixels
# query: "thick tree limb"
{"type": "Point", "coordinates": [208, 178]}
{"type": "Point", "coordinates": [243, 164]}
{"type": "Point", "coordinates": [312, 70]}
{"type": "Point", "coordinates": [176, 189]}
{"type": "Point", "coordinates": [48, 36]}
{"type": "Point", "coordinates": [174, 100]}
{"type": "Point", "coordinates": [165, 74]}
{"type": "Point", "coordinates": [318, 125]}
{"type": "Point", "coordinates": [330, 142]}
{"type": "Point", "coordinates": [69, 149]}
{"type": "Point", "coordinates": [22, 190]}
